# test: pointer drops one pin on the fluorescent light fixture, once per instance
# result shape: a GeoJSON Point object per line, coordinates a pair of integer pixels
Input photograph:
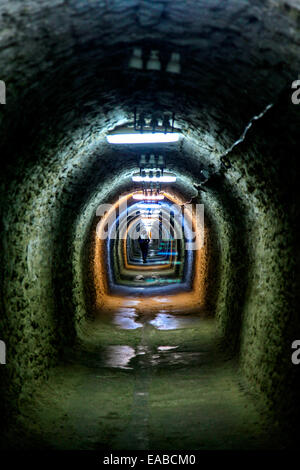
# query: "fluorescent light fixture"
{"type": "Point", "coordinates": [167, 178]}
{"type": "Point", "coordinates": [148, 221]}
{"type": "Point", "coordinates": [149, 212]}
{"type": "Point", "coordinates": [143, 138]}
{"type": "Point", "coordinates": [149, 206]}
{"type": "Point", "coordinates": [141, 197]}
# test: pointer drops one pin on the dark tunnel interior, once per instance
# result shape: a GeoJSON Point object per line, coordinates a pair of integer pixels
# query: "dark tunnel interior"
{"type": "Point", "coordinates": [190, 348]}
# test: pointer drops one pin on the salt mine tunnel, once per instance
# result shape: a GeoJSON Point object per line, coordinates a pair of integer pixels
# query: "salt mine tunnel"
{"type": "Point", "coordinates": [191, 349]}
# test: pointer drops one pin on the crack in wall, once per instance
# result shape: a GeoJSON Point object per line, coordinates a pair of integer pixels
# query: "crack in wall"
{"type": "Point", "coordinates": [257, 117]}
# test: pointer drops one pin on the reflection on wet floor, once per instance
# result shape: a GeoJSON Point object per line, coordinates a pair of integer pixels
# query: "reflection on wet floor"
{"type": "Point", "coordinates": [166, 321]}
{"type": "Point", "coordinates": [166, 348]}
{"type": "Point", "coordinates": [176, 359]}
{"type": "Point", "coordinates": [130, 318]}
{"type": "Point", "coordinates": [118, 356]}
{"type": "Point", "coordinates": [125, 319]}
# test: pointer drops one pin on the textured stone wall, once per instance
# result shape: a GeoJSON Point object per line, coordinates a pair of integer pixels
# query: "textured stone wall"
{"type": "Point", "coordinates": [231, 271]}
{"type": "Point", "coordinates": [270, 320]}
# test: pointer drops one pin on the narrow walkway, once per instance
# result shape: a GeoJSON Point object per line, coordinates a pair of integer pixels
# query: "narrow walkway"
{"type": "Point", "coordinates": [144, 381]}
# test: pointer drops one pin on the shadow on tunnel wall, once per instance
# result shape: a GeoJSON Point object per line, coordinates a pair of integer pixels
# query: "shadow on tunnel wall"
{"type": "Point", "coordinates": [228, 271]}
{"type": "Point", "coordinates": [270, 317]}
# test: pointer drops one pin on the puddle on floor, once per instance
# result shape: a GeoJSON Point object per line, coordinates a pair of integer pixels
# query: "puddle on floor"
{"type": "Point", "coordinates": [168, 358]}
{"type": "Point", "coordinates": [125, 319]}
{"type": "Point", "coordinates": [165, 321]}
{"type": "Point", "coordinates": [118, 356]}
{"type": "Point", "coordinates": [166, 348]}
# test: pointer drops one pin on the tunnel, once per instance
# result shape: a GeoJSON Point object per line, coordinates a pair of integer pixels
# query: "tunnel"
{"type": "Point", "coordinates": [186, 348]}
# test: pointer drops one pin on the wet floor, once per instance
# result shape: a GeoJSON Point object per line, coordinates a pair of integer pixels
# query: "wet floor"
{"type": "Point", "coordinates": [145, 380]}
{"type": "Point", "coordinates": [129, 318]}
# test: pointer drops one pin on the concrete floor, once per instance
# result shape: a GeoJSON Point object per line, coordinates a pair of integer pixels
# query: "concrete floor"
{"type": "Point", "coordinates": [140, 380]}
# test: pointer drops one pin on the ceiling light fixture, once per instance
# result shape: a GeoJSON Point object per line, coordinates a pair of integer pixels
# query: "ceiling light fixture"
{"type": "Point", "coordinates": [143, 197]}
{"type": "Point", "coordinates": [143, 138]}
{"type": "Point", "coordinates": [149, 206]}
{"type": "Point", "coordinates": [149, 212]}
{"type": "Point", "coordinates": [154, 177]}
{"type": "Point", "coordinates": [146, 130]}
{"type": "Point", "coordinates": [148, 221]}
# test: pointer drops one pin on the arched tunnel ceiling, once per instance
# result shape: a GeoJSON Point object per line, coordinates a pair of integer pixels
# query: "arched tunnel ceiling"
{"type": "Point", "coordinates": [69, 68]}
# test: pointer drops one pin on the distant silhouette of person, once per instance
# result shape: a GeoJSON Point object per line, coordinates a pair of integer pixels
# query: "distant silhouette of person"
{"type": "Point", "coordinates": [144, 241]}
